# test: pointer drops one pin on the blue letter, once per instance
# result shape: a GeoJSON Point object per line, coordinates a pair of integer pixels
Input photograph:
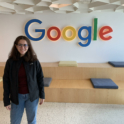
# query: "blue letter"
{"type": "Point", "coordinates": [36, 30]}
{"type": "Point", "coordinates": [86, 38]}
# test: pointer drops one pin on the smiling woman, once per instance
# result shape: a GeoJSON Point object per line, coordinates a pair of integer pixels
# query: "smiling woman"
{"type": "Point", "coordinates": [23, 82]}
{"type": "Point", "coordinates": [22, 47]}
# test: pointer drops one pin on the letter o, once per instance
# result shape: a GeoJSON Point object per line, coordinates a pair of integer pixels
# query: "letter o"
{"type": "Point", "coordinates": [57, 36]}
{"type": "Point", "coordinates": [72, 37]}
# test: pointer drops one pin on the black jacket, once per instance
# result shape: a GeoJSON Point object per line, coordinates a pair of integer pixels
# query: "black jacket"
{"type": "Point", "coordinates": [34, 79]}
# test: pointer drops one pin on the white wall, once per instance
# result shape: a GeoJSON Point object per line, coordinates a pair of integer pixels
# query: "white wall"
{"type": "Point", "coordinates": [98, 51]}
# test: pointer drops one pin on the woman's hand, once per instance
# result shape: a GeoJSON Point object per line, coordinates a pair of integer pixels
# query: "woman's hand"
{"type": "Point", "coordinates": [41, 101]}
{"type": "Point", "coordinates": [8, 107]}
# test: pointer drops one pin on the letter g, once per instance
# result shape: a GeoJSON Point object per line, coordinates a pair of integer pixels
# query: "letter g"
{"type": "Point", "coordinates": [36, 30]}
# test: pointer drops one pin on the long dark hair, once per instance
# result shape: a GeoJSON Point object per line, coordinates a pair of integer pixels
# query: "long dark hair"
{"type": "Point", "coordinates": [29, 56]}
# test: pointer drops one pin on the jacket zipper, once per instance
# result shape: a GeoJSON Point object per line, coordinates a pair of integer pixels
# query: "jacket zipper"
{"type": "Point", "coordinates": [27, 77]}
{"type": "Point", "coordinates": [17, 80]}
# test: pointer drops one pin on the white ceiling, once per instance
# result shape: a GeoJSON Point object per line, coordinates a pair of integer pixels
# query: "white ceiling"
{"type": "Point", "coordinates": [60, 6]}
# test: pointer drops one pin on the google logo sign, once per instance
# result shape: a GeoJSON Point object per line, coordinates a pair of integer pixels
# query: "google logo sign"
{"type": "Point", "coordinates": [103, 33]}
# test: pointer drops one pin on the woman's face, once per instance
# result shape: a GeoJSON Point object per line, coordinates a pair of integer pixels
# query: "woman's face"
{"type": "Point", "coordinates": [22, 47]}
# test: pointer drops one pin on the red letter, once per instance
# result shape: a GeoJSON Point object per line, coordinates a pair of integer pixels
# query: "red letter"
{"type": "Point", "coordinates": [57, 36]}
{"type": "Point", "coordinates": [105, 30]}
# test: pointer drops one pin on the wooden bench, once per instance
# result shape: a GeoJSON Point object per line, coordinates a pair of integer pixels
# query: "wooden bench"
{"type": "Point", "coordinates": [72, 84]}
{"type": "Point", "coordinates": [82, 91]}
{"type": "Point", "coordinates": [1, 89]}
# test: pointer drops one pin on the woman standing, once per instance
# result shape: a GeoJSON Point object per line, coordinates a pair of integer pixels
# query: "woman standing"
{"type": "Point", "coordinates": [23, 82]}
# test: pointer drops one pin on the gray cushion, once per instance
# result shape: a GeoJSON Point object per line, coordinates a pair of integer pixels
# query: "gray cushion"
{"type": "Point", "coordinates": [103, 83]}
{"type": "Point", "coordinates": [47, 81]}
{"type": "Point", "coordinates": [116, 64]}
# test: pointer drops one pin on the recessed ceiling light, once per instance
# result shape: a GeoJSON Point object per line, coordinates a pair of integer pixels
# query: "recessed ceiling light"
{"type": "Point", "coordinates": [59, 5]}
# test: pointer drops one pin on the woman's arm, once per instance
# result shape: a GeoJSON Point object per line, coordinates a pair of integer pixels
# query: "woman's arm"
{"type": "Point", "coordinates": [40, 80]}
{"type": "Point", "coordinates": [6, 84]}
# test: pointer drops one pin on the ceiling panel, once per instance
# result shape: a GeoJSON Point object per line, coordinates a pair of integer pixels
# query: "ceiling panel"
{"type": "Point", "coordinates": [60, 6]}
